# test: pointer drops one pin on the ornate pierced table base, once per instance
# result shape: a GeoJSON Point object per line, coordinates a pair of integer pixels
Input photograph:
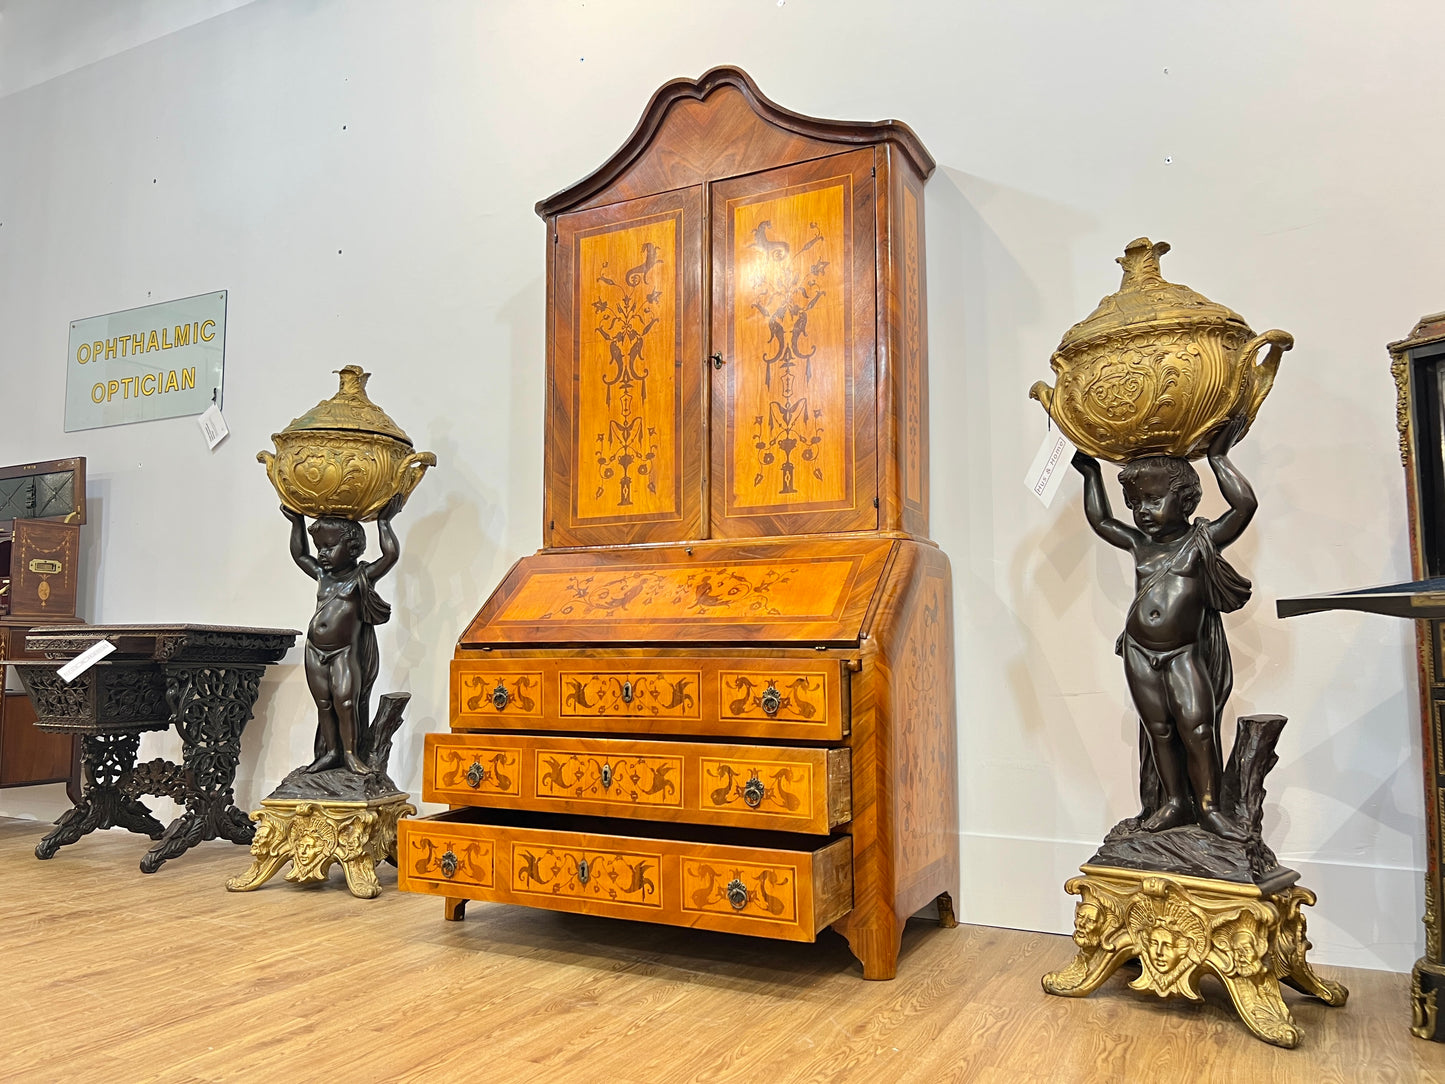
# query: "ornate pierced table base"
{"type": "Point", "coordinates": [201, 679]}
{"type": "Point", "coordinates": [1180, 928]}
{"type": "Point", "coordinates": [109, 794]}
{"type": "Point", "coordinates": [313, 835]}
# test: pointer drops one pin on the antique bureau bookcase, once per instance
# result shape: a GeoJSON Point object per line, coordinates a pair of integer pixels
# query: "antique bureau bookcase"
{"type": "Point", "coordinates": [722, 694]}
{"type": "Point", "coordinates": [42, 507]}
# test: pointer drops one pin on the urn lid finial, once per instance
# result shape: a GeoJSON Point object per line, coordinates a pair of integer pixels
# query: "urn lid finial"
{"type": "Point", "coordinates": [349, 409]}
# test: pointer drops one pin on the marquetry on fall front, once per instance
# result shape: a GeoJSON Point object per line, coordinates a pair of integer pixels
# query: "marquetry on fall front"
{"type": "Point", "coordinates": [722, 695]}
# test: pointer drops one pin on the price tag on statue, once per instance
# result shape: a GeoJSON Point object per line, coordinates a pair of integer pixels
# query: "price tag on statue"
{"type": "Point", "coordinates": [1047, 471]}
{"type": "Point", "coordinates": [213, 426]}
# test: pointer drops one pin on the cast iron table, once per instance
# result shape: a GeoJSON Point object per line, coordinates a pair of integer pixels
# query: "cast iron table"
{"type": "Point", "coordinates": [201, 679]}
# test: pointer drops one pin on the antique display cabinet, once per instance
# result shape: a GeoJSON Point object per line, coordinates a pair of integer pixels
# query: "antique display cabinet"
{"type": "Point", "coordinates": [722, 695]}
{"type": "Point", "coordinates": [1418, 365]}
{"type": "Point", "coordinates": [42, 507]}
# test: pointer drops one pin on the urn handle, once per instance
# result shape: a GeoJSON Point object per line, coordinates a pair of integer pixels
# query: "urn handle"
{"type": "Point", "coordinates": [1264, 372]}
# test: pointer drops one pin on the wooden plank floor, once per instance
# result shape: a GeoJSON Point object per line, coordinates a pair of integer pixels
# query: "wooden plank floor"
{"type": "Point", "coordinates": [109, 975]}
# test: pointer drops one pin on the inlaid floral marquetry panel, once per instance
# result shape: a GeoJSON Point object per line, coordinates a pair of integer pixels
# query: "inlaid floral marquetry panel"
{"type": "Point", "coordinates": [626, 780]}
{"type": "Point", "coordinates": [742, 889]}
{"type": "Point", "coordinates": [579, 873]}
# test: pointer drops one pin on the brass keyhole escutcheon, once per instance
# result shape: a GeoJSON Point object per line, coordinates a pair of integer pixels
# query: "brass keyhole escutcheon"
{"type": "Point", "coordinates": [737, 894]}
{"type": "Point", "coordinates": [771, 700]}
{"type": "Point", "coordinates": [717, 361]}
{"type": "Point", "coordinates": [627, 692]}
{"type": "Point", "coordinates": [449, 864]}
{"type": "Point", "coordinates": [476, 775]}
{"type": "Point", "coordinates": [583, 871]}
{"type": "Point", "coordinates": [500, 696]}
{"type": "Point", "coordinates": [753, 792]}
{"type": "Point", "coordinates": [606, 776]}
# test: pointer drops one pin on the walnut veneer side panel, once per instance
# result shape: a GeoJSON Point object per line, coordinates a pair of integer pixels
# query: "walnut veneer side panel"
{"type": "Point", "coordinates": [905, 803]}
{"type": "Point", "coordinates": [623, 462]}
{"type": "Point", "coordinates": [903, 350]}
{"type": "Point", "coordinates": [794, 416]}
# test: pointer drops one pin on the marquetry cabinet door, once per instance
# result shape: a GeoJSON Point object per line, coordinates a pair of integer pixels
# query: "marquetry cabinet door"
{"type": "Point", "coordinates": [624, 455]}
{"type": "Point", "coordinates": [794, 422]}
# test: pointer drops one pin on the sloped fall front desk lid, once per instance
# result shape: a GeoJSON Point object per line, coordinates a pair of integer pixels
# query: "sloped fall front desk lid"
{"type": "Point", "coordinates": [817, 592]}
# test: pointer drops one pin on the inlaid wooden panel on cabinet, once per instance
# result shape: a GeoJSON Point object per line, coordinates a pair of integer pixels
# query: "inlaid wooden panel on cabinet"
{"type": "Point", "coordinates": [789, 888]}
{"type": "Point", "coordinates": [794, 429]}
{"type": "Point", "coordinates": [793, 699]}
{"type": "Point", "coordinates": [623, 459]}
{"type": "Point", "coordinates": [783, 788]}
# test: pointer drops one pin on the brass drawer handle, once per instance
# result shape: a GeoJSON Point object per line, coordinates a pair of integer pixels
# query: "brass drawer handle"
{"type": "Point", "coordinates": [771, 700]}
{"type": "Point", "coordinates": [500, 696]}
{"type": "Point", "coordinates": [476, 775]}
{"type": "Point", "coordinates": [753, 792]}
{"type": "Point", "coordinates": [627, 692]}
{"type": "Point", "coordinates": [737, 894]}
{"type": "Point", "coordinates": [449, 864]}
{"type": "Point", "coordinates": [584, 872]}
{"type": "Point", "coordinates": [607, 777]}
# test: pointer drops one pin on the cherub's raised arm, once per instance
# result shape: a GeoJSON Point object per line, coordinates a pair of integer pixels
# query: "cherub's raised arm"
{"type": "Point", "coordinates": [300, 549]}
{"type": "Point", "coordinates": [1232, 484]}
{"type": "Point", "coordinates": [390, 547]}
{"type": "Point", "coordinates": [1096, 506]}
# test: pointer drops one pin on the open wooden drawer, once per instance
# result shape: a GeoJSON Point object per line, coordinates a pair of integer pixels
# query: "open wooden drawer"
{"type": "Point", "coordinates": [765, 884]}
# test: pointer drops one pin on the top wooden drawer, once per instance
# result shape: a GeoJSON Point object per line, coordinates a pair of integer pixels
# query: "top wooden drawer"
{"type": "Point", "coordinates": [793, 698]}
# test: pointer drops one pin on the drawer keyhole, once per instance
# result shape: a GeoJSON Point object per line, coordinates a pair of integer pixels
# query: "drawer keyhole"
{"type": "Point", "coordinates": [607, 777]}
{"type": "Point", "coordinates": [737, 894]}
{"type": "Point", "coordinates": [753, 792]}
{"type": "Point", "coordinates": [500, 696]}
{"type": "Point", "coordinates": [627, 692]}
{"type": "Point", "coordinates": [476, 775]}
{"type": "Point", "coordinates": [449, 864]}
{"type": "Point", "coordinates": [771, 700]}
{"type": "Point", "coordinates": [584, 872]}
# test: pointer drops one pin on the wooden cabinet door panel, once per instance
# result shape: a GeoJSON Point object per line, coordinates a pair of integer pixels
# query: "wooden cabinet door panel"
{"type": "Point", "coordinates": [623, 457]}
{"type": "Point", "coordinates": [794, 423]}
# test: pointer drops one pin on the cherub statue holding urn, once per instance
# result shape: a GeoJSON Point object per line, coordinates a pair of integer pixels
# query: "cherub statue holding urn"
{"type": "Point", "coordinates": [343, 463]}
{"type": "Point", "coordinates": [1156, 376]}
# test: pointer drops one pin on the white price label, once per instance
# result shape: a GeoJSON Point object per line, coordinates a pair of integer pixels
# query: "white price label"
{"type": "Point", "coordinates": [1047, 472]}
{"type": "Point", "coordinates": [85, 660]}
{"type": "Point", "coordinates": [213, 426]}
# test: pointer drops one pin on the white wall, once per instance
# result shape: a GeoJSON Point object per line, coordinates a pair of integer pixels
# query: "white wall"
{"type": "Point", "coordinates": [360, 176]}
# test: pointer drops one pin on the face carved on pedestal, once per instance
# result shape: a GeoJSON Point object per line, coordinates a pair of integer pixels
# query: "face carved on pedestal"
{"type": "Point", "coordinates": [1088, 926]}
{"type": "Point", "coordinates": [1164, 948]}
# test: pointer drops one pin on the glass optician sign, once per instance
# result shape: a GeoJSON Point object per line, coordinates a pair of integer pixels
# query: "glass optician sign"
{"type": "Point", "coordinates": [159, 361]}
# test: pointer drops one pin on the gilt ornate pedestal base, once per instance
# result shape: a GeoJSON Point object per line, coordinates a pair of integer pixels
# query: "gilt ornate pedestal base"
{"type": "Point", "coordinates": [312, 835]}
{"type": "Point", "coordinates": [1180, 928]}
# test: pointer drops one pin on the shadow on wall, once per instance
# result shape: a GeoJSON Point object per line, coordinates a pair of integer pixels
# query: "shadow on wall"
{"type": "Point", "coordinates": [1000, 284]}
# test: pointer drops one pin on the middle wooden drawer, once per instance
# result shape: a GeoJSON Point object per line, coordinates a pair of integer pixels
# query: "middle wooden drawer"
{"type": "Point", "coordinates": [757, 786]}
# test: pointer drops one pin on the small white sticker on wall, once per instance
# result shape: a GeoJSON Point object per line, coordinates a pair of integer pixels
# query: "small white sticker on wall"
{"type": "Point", "coordinates": [213, 426]}
{"type": "Point", "coordinates": [85, 660]}
{"type": "Point", "coordinates": [1047, 472]}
